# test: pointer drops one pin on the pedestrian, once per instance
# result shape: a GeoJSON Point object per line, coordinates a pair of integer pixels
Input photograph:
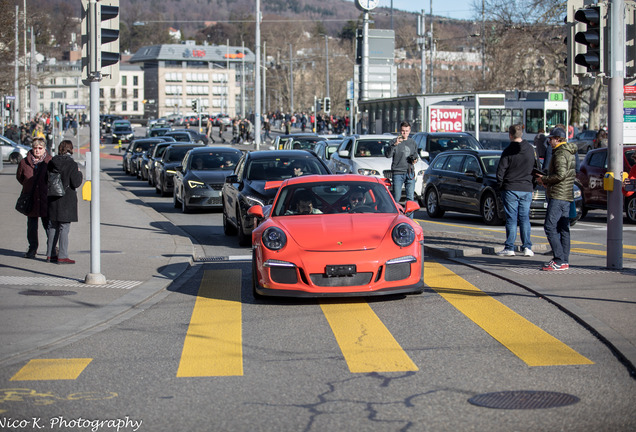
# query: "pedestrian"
{"type": "Point", "coordinates": [601, 139]}
{"type": "Point", "coordinates": [514, 181]}
{"type": "Point", "coordinates": [559, 184]}
{"type": "Point", "coordinates": [62, 210]}
{"type": "Point", "coordinates": [540, 143]}
{"type": "Point", "coordinates": [31, 174]}
{"type": "Point", "coordinates": [403, 152]}
{"type": "Point", "coordinates": [267, 127]}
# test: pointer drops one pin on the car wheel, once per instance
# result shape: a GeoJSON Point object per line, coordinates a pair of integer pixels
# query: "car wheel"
{"type": "Point", "coordinates": [15, 158]}
{"type": "Point", "coordinates": [175, 201]}
{"type": "Point", "coordinates": [184, 206]}
{"type": "Point", "coordinates": [489, 212]}
{"type": "Point", "coordinates": [432, 204]}
{"type": "Point", "coordinates": [243, 239]}
{"type": "Point", "coordinates": [254, 278]}
{"type": "Point", "coordinates": [228, 228]}
{"type": "Point", "coordinates": [630, 209]}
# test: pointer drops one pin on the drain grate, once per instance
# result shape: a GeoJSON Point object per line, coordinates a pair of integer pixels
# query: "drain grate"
{"type": "Point", "coordinates": [523, 399]}
{"type": "Point", "coordinates": [47, 292]}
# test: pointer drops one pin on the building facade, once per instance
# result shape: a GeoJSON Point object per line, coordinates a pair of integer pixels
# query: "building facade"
{"type": "Point", "coordinates": [219, 78]}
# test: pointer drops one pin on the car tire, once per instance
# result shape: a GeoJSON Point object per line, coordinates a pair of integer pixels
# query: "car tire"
{"type": "Point", "coordinates": [630, 209]}
{"type": "Point", "coordinates": [15, 158]}
{"type": "Point", "coordinates": [228, 228]}
{"type": "Point", "coordinates": [243, 239]}
{"type": "Point", "coordinates": [489, 211]}
{"type": "Point", "coordinates": [432, 204]}
{"type": "Point", "coordinates": [175, 201]}
{"type": "Point", "coordinates": [257, 296]}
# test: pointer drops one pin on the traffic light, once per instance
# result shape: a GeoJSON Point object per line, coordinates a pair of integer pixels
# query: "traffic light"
{"type": "Point", "coordinates": [318, 105]}
{"type": "Point", "coordinates": [593, 37]}
{"type": "Point", "coordinates": [348, 105]}
{"type": "Point", "coordinates": [194, 105]}
{"type": "Point", "coordinates": [100, 41]}
{"type": "Point", "coordinates": [327, 105]}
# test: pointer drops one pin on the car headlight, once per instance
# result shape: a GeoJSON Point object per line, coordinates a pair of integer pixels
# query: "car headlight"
{"type": "Point", "coordinates": [253, 201]}
{"type": "Point", "coordinates": [403, 234]}
{"type": "Point", "coordinates": [274, 238]}
{"type": "Point", "coordinates": [367, 171]}
{"type": "Point", "coordinates": [195, 184]}
{"type": "Point", "coordinates": [171, 172]}
{"type": "Point", "coordinates": [577, 192]}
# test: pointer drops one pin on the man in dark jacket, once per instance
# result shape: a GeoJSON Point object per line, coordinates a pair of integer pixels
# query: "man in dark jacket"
{"type": "Point", "coordinates": [63, 209]}
{"type": "Point", "coordinates": [559, 183]}
{"type": "Point", "coordinates": [514, 180]}
{"type": "Point", "coordinates": [403, 150]}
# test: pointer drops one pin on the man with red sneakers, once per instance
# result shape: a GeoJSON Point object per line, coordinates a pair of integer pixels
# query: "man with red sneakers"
{"type": "Point", "coordinates": [559, 183]}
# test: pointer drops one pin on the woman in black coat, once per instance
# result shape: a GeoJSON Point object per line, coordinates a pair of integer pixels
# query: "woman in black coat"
{"type": "Point", "coordinates": [31, 174]}
{"type": "Point", "coordinates": [63, 210]}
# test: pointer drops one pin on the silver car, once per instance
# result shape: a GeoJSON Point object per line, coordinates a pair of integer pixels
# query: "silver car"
{"type": "Point", "coordinates": [11, 151]}
{"type": "Point", "coordinates": [365, 154]}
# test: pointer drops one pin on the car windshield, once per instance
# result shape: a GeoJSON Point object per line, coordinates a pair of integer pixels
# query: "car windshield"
{"type": "Point", "coordinates": [281, 168]}
{"type": "Point", "coordinates": [177, 153]}
{"type": "Point", "coordinates": [304, 143]}
{"type": "Point", "coordinates": [491, 162]}
{"type": "Point", "coordinates": [143, 146]}
{"type": "Point", "coordinates": [184, 137]}
{"type": "Point", "coordinates": [439, 144]}
{"type": "Point", "coordinates": [371, 148]}
{"type": "Point", "coordinates": [211, 161]}
{"type": "Point", "coordinates": [122, 129]}
{"type": "Point", "coordinates": [333, 197]}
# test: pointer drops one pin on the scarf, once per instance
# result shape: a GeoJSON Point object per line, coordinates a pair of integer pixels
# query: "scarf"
{"type": "Point", "coordinates": [35, 161]}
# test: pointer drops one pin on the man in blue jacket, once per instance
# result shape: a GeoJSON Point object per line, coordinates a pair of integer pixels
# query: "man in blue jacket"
{"type": "Point", "coordinates": [514, 179]}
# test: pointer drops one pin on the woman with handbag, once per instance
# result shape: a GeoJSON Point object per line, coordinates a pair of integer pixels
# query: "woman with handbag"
{"type": "Point", "coordinates": [62, 209]}
{"type": "Point", "coordinates": [31, 174]}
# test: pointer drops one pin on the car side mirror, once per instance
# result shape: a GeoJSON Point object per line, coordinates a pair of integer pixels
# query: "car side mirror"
{"type": "Point", "coordinates": [179, 168]}
{"type": "Point", "coordinates": [256, 211]}
{"type": "Point", "coordinates": [232, 178]}
{"type": "Point", "coordinates": [424, 154]}
{"type": "Point", "coordinates": [344, 153]}
{"type": "Point", "coordinates": [411, 206]}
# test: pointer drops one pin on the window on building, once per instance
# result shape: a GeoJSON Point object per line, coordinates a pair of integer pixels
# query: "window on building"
{"type": "Point", "coordinates": [135, 80]}
{"type": "Point", "coordinates": [124, 80]}
{"type": "Point", "coordinates": [124, 106]}
{"type": "Point", "coordinates": [52, 81]}
{"type": "Point", "coordinates": [112, 106]}
{"type": "Point", "coordinates": [101, 92]}
{"type": "Point", "coordinates": [112, 93]}
{"type": "Point", "coordinates": [135, 106]}
{"type": "Point", "coordinates": [75, 94]}
{"type": "Point", "coordinates": [135, 93]}
{"type": "Point", "coordinates": [124, 93]}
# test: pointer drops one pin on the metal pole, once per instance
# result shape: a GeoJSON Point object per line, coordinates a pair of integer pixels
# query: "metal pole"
{"type": "Point", "coordinates": [421, 33]}
{"type": "Point", "coordinates": [16, 89]}
{"type": "Point", "coordinates": [264, 100]}
{"type": "Point", "coordinates": [365, 57]}
{"type": "Point", "coordinates": [430, 73]}
{"type": "Point", "coordinates": [291, 81]}
{"type": "Point", "coordinates": [615, 135]}
{"type": "Point", "coordinates": [257, 79]}
{"type": "Point", "coordinates": [327, 61]}
{"type": "Point", "coordinates": [483, 40]}
{"type": "Point", "coordinates": [243, 80]}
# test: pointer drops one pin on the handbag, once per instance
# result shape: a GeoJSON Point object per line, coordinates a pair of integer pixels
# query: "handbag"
{"type": "Point", "coordinates": [55, 186]}
{"type": "Point", "coordinates": [573, 209]}
{"type": "Point", "coordinates": [24, 203]}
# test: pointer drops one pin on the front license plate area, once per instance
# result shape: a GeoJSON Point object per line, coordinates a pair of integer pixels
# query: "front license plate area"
{"type": "Point", "coordinates": [340, 270]}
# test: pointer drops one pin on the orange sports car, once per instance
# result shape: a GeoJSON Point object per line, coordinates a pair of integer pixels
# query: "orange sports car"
{"type": "Point", "coordinates": [336, 235]}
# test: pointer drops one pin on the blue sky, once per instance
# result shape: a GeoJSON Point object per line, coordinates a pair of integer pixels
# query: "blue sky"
{"type": "Point", "coordinates": [457, 9]}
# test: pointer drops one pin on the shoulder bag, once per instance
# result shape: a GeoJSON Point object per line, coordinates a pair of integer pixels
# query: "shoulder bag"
{"type": "Point", "coordinates": [55, 185]}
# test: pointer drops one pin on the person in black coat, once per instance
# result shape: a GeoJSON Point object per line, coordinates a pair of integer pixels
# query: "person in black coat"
{"type": "Point", "coordinates": [63, 210]}
{"type": "Point", "coordinates": [31, 174]}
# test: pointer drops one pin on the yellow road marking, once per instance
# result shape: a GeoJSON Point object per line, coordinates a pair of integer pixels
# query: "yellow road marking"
{"type": "Point", "coordinates": [51, 369]}
{"type": "Point", "coordinates": [599, 252]}
{"type": "Point", "coordinates": [527, 341]}
{"type": "Point", "coordinates": [366, 343]}
{"type": "Point", "coordinates": [213, 344]}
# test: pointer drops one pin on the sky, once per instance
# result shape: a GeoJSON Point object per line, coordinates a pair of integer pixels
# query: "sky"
{"type": "Point", "coordinates": [457, 9]}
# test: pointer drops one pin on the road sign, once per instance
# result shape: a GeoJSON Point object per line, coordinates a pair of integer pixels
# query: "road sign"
{"type": "Point", "coordinates": [75, 107]}
{"type": "Point", "coordinates": [9, 97]}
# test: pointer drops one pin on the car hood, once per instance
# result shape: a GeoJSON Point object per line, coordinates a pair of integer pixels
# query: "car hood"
{"type": "Point", "coordinates": [376, 163]}
{"type": "Point", "coordinates": [338, 232]}
{"type": "Point", "coordinates": [212, 176]}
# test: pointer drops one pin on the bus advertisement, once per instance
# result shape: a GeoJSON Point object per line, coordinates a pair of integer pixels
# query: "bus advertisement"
{"type": "Point", "coordinates": [445, 119]}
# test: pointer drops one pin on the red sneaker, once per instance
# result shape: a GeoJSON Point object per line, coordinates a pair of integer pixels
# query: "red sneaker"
{"type": "Point", "coordinates": [552, 266]}
{"type": "Point", "coordinates": [65, 261]}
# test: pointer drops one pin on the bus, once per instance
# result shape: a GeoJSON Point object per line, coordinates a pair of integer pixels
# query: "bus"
{"type": "Point", "coordinates": [497, 111]}
{"type": "Point", "coordinates": [536, 111]}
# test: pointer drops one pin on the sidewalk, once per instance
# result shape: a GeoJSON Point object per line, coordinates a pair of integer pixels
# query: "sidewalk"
{"type": "Point", "coordinates": [143, 253]}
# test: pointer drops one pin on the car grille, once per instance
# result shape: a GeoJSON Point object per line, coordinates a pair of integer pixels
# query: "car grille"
{"type": "Point", "coordinates": [538, 194]}
{"type": "Point", "coordinates": [387, 174]}
{"type": "Point", "coordinates": [320, 279]}
{"type": "Point", "coordinates": [397, 271]}
{"type": "Point", "coordinates": [215, 186]}
{"type": "Point", "coordinates": [285, 275]}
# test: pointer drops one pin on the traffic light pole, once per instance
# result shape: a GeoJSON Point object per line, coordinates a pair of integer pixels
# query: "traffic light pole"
{"type": "Point", "coordinates": [615, 135]}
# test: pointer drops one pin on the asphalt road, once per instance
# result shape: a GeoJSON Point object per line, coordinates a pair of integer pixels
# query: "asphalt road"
{"type": "Point", "coordinates": [206, 355]}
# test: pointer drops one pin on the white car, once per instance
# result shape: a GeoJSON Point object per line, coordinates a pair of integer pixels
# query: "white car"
{"type": "Point", "coordinates": [11, 151]}
{"type": "Point", "coordinates": [365, 154]}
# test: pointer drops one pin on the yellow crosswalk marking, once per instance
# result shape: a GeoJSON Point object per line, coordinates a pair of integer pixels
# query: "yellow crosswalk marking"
{"type": "Point", "coordinates": [599, 252]}
{"type": "Point", "coordinates": [527, 341]}
{"type": "Point", "coordinates": [51, 369]}
{"type": "Point", "coordinates": [366, 343]}
{"type": "Point", "coordinates": [213, 344]}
